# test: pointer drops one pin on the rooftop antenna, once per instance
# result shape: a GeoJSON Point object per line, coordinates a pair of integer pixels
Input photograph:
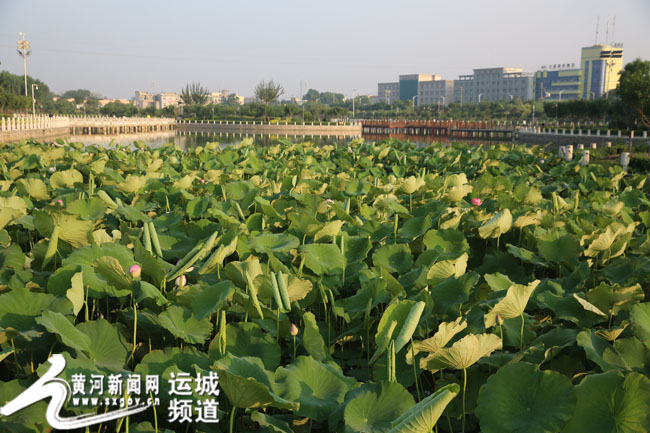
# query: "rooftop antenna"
{"type": "Point", "coordinates": [597, 24]}
{"type": "Point", "coordinates": [607, 32]}
{"type": "Point", "coordinates": [613, 28]}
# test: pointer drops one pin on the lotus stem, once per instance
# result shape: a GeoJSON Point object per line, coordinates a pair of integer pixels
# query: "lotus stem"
{"type": "Point", "coordinates": [232, 418]}
{"type": "Point", "coordinates": [464, 388]}
{"type": "Point", "coordinates": [415, 371]}
{"type": "Point", "coordinates": [294, 349]}
{"type": "Point", "coordinates": [521, 333]}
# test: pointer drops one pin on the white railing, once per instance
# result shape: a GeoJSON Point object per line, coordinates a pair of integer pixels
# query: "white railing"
{"type": "Point", "coordinates": [28, 122]}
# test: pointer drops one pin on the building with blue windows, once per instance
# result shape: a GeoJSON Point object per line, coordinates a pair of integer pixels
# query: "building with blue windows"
{"type": "Point", "coordinates": [597, 74]}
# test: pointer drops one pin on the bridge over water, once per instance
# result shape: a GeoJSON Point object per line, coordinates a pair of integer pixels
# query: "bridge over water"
{"type": "Point", "coordinates": [405, 129]}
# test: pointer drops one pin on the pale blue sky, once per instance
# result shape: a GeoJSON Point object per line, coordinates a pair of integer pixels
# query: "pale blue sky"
{"type": "Point", "coordinates": [119, 46]}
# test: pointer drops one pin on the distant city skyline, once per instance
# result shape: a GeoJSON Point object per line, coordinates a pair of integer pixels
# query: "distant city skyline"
{"type": "Point", "coordinates": [120, 47]}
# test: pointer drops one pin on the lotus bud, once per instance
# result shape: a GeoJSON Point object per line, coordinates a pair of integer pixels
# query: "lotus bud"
{"type": "Point", "coordinates": [202, 180]}
{"type": "Point", "coordinates": [135, 271]}
{"type": "Point", "coordinates": [181, 281]}
{"type": "Point", "coordinates": [52, 169]}
{"type": "Point", "coordinates": [59, 201]}
{"type": "Point", "coordinates": [499, 320]}
{"type": "Point", "coordinates": [477, 201]}
{"type": "Point", "coordinates": [293, 330]}
{"type": "Point", "coordinates": [541, 160]}
{"type": "Point", "coordinates": [328, 202]}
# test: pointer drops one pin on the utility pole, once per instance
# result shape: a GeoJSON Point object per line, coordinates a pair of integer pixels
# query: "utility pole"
{"type": "Point", "coordinates": [23, 50]}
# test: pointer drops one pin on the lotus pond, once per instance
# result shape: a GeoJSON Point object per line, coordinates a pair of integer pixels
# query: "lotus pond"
{"type": "Point", "coordinates": [374, 287]}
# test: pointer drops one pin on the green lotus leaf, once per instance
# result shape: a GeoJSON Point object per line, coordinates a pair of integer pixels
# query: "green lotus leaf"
{"type": "Point", "coordinates": [521, 397]}
{"type": "Point", "coordinates": [497, 225]}
{"type": "Point", "coordinates": [446, 331]}
{"type": "Point", "coordinates": [415, 227]}
{"type": "Point", "coordinates": [422, 417]}
{"type": "Point", "coordinates": [319, 388]}
{"type": "Point", "coordinates": [612, 403]}
{"type": "Point", "coordinates": [272, 424]}
{"type": "Point", "coordinates": [463, 353]}
{"type": "Point", "coordinates": [107, 347]}
{"type": "Point", "coordinates": [182, 324]}
{"type": "Point", "coordinates": [92, 209]}
{"type": "Point", "coordinates": [356, 249]}
{"type": "Point", "coordinates": [396, 313]}
{"type": "Point", "coordinates": [248, 339]}
{"type": "Point", "coordinates": [559, 247]}
{"type": "Point", "coordinates": [35, 188]}
{"type": "Point", "coordinates": [274, 242]}
{"type": "Point", "coordinates": [197, 207]}
{"type": "Point", "coordinates": [376, 406]}
{"type": "Point", "coordinates": [513, 304]}
{"type": "Point", "coordinates": [329, 231]}
{"type": "Point", "coordinates": [526, 255]}
{"type": "Point", "coordinates": [236, 272]}
{"type": "Point", "coordinates": [312, 338]}
{"type": "Point", "coordinates": [411, 184]}
{"type": "Point", "coordinates": [446, 241]}
{"type": "Point", "coordinates": [20, 308]}
{"type": "Point", "coordinates": [57, 323]}
{"type": "Point", "coordinates": [498, 281]}
{"type": "Point", "coordinates": [111, 269]}
{"type": "Point", "coordinates": [452, 292]}
{"type": "Point", "coordinates": [247, 384]}
{"type": "Point", "coordinates": [442, 270]}
{"type": "Point", "coordinates": [73, 230]}
{"type": "Point", "coordinates": [614, 299]}
{"type": "Point", "coordinates": [65, 179]}
{"type": "Point", "coordinates": [212, 299]}
{"type": "Point", "coordinates": [640, 318]}
{"type": "Point", "coordinates": [76, 293]}
{"type": "Point", "coordinates": [394, 258]}
{"type": "Point", "coordinates": [323, 259]}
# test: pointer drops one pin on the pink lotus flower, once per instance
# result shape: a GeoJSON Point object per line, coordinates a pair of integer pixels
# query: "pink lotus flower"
{"type": "Point", "coordinates": [59, 201]}
{"type": "Point", "coordinates": [52, 169]}
{"type": "Point", "coordinates": [328, 202]}
{"type": "Point", "coordinates": [542, 160]}
{"type": "Point", "coordinates": [293, 330]}
{"type": "Point", "coordinates": [135, 271]}
{"type": "Point", "coordinates": [477, 201]}
{"type": "Point", "coordinates": [202, 180]}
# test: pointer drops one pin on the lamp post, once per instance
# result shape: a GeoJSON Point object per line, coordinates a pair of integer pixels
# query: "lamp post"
{"type": "Point", "coordinates": [34, 86]}
{"type": "Point", "coordinates": [511, 96]}
{"type": "Point", "coordinates": [23, 50]}
{"type": "Point", "coordinates": [479, 97]}
{"type": "Point", "coordinates": [413, 100]}
{"type": "Point", "coordinates": [353, 90]}
{"type": "Point", "coordinates": [560, 94]}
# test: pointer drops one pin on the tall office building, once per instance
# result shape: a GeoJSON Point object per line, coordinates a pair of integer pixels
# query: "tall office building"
{"type": "Point", "coordinates": [494, 84]}
{"type": "Point", "coordinates": [597, 74]}
{"type": "Point", "coordinates": [601, 66]}
{"type": "Point", "coordinates": [421, 89]}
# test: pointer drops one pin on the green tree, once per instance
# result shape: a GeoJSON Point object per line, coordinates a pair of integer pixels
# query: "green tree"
{"type": "Point", "coordinates": [311, 95]}
{"type": "Point", "coordinates": [80, 95]}
{"type": "Point", "coordinates": [268, 92]}
{"type": "Point", "coordinates": [634, 90]}
{"type": "Point", "coordinates": [118, 109]}
{"type": "Point", "coordinates": [194, 94]}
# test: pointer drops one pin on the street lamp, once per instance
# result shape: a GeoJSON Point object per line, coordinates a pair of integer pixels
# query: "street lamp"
{"type": "Point", "coordinates": [511, 97]}
{"type": "Point", "coordinates": [413, 100]}
{"type": "Point", "coordinates": [443, 99]}
{"type": "Point", "coordinates": [353, 90]}
{"type": "Point", "coordinates": [479, 97]}
{"type": "Point", "coordinates": [23, 50]}
{"type": "Point", "coordinates": [34, 100]}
